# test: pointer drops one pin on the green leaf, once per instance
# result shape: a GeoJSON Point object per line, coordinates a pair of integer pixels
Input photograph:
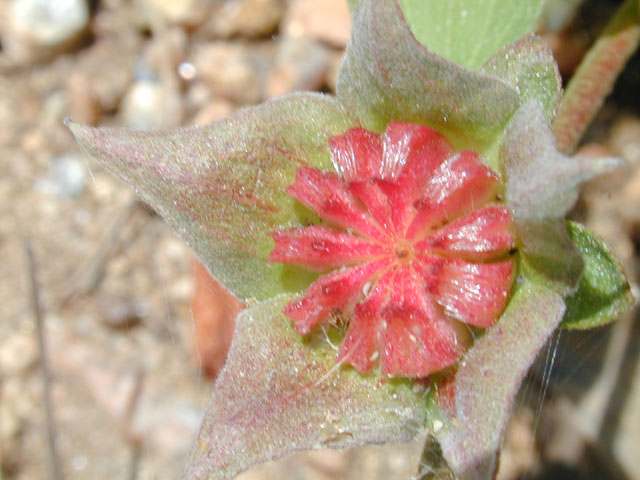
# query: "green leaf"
{"type": "Point", "coordinates": [528, 65]}
{"type": "Point", "coordinates": [279, 394]}
{"type": "Point", "coordinates": [603, 292]}
{"type": "Point", "coordinates": [222, 186]}
{"type": "Point", "coordinates": [541, 186]}
{"type": "Point", "coordinates": [468, 32]}
{"type": "Point", "coordinates": [387, 75]}
{"type": "Point", "coordinates": [489, 378]}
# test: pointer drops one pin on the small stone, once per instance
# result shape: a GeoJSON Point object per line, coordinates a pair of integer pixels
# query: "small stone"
{"type": "Point", "coordinates": [335, 60]}
{"type": "Point", "coordinates": [84, 106]}
{"type": "Point", "coordinates": [328, 21]}
{"type": "Point", "coordinates": [150, 105]}
{"type": "Point", "coordinates": [167, 51]}
{"type": "Point", "coordinates": [97, 84]}
{"type": "Point", "coordinates": [65, 178]}
{"type": "Point", "coordinates": [17, 354]}
{"type": "Point", "coordinates": [301, 64]}
{"type": "Point", "coordinates": [246, 18]}
{"type": "Point", "coordinates": [188, 13]}
{"type": "Point", "coordinates": [214, 110]}
{"type": "Point", "coordinates": [39, 29]}
{"type": "Point", "coordinates": [625, 139]}
{"type": "Point", "coordinates": [214, 311]}
{"type": "Point", "coordinates": [231, 70]}
{"type": "Point", "coordinates": [119, 313]}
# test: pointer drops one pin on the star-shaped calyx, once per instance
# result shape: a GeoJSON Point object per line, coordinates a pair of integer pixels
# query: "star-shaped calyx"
{"type": "Point", "coordinates": [414, 247]}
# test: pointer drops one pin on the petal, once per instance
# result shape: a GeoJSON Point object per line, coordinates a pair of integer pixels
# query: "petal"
{"type": "Point", "coordinates": [411, 151]}
{"type": "Point", "coordinates": [376, 201]}
{"type": "Point", "coordinates": [360, 343]}
{"type": "Point", "coordinates": [411, 154]}
{"type": "Point", "coordinates": [484, 234]}
{"type": "Point", "coordinates": [428, 267]}
{"type": "Point", "coordinates": [460, 184]}
{"type": "Point", "coordinates": [330, 292]}
{"type": "Point", "coordinates": [321, 248]}
{"type": "Point", "coordinates": [475, 293]}
{"type": "Point", "coordinates": [356, 154]}
{"type": "Point", "coordinates": [416, 339]}
{"type": "Point", "coordinates": [325, 194]}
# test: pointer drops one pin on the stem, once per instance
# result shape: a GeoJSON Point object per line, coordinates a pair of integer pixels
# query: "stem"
{"type": "Point", "coordinates": [596, 75]}
{"type": "Point", "coordinates": [55, 469]}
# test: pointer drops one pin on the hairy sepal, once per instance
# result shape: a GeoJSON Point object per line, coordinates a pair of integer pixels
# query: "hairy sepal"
{"type": "Point", "coordinates": [278, 394]}
{"type": "Point", "coordinates": [488, 379]}
{"type": "Point", "coordinates": [529, 67]}
{"type": "Point", "coordinates": [222, 186]}
{"type": "Point", "coordinates": [387, 75]}
{"type": "Point", "coordinates": [541, 186]}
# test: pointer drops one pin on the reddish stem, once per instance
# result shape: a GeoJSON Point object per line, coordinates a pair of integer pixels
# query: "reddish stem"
{"type": "Point", "coordinates": [596, 75]}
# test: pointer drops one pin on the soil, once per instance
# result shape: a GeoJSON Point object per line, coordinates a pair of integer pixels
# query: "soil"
{"type": "Point", "coordinates": [115, 284]}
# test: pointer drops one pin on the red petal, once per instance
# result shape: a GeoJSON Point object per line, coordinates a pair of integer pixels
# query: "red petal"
{"type": "Point", "coordinates": [475, 293]}
{"type": "Point", "coordinates": [360, 343]}
{"type": "Point", "coordinates": [357, 154]}
{"type": "Point", "coordinates": [428, 267]}
{"type": "Point", "coordinates": [416, 339]}
{"type": "Point", "coordinates": [321, 248]}
{"type": "Point", "coordinates": [334, 291]}
{"type": "Point", "coordinates": [459, 185]}
{"type": "Point", "coordinates": [326, 195]}
{"type": "Point", "coordinates": [376, 201]}
{"type": "Point", "coordinates": [412, 151]}
{"type": "Point", "coordinates": [484, 234]}
{"type": "Point", "coordinates": [411, 155]}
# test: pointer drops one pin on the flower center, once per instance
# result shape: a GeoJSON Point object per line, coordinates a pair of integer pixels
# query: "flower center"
{"type": "Point", "coordinates": [404, 253]}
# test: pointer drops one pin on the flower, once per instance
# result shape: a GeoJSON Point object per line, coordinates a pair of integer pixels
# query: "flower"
{"type": "Point", "coordinates": [415, 247]}
{"type": "Point", "coordinates": [419, 236]}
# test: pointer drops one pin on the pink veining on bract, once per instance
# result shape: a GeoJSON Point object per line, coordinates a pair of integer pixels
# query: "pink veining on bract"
{"type": "Point", "coordinates": [415, 246]}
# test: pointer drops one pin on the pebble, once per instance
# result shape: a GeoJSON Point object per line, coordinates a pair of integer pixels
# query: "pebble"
{"type": "Point", "coordinates": [167, 51]}
{"type": "Point", "coordinates": [232, 70]}
{"type": "Point", "coordinates": [300, 64]}
{"type": "Point", "coordinates": [245, 18]}
{"type": "Point", "coordinates": [66, 177]}
{"type": "Point", "coordinates": [149, 105]}
{"type": "Point", "coordinates": [188, 13]}
{"type": "Point", "coordinates": [328, 21]}
{"type": "Point", "coordinates": [17, 354]}
{"type": "Point", "coordinates": [625, 139]}
{"type": "Point", "coordinates": [91, 85]}
{"type": "Point", "coordinates": [39, 29]}
{"type": "Point", "coordinates": [335, 60]}
{"type": "Point", "coordinates": [214, 110]}
{"type": "Point", "coordinates": [119, 313]}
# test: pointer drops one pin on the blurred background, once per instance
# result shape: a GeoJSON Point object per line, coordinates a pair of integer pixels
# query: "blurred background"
{"type": "Point", "coordinates": [136, 330]}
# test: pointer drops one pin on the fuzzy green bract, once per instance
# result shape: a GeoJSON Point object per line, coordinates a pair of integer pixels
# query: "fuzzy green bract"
{"type": "Point", "coordinates": [222, 188]}
{"type": "Point", "coordinates": [316, 404]}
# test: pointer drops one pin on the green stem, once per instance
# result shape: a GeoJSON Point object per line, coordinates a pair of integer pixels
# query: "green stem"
{"type": "Point", "coordinates": [596, 75]}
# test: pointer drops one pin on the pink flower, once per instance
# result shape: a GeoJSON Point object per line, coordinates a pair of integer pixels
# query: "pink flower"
{"type": "Point", "coordinates": [414, 248]}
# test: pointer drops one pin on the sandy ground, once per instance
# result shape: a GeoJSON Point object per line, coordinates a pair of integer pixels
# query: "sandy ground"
{"type": "Point", "coordinates": [116, 284]}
